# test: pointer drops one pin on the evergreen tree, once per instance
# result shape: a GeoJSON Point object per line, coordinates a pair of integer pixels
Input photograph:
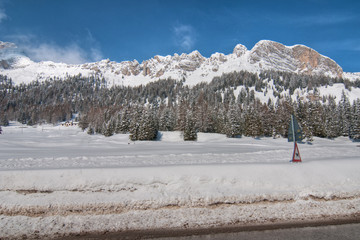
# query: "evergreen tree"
{"type": "Point", "coordinates": [344, 115]}
{"type": "Point", "coordinates": [242, 96]}
{"type": "Point", "coordinates": [316, 119]}
{"type": "Point", "coordinates": [283, 111]}
{"type": "Point", "coordinates": [167, 120]}
{"type": "Point", "coordinates": [147, 127]}
{"type": "Point", "coordinates": [356, 121]}
{"type": "Point", "coordinates": [233, 125]}
{"type": "Point", "coordinates": [4, 120]}
{"type": "Point", "coordinates": [134, 127]}
{"type": "Point", "coordinates": [108, 128]}
{"type": "Point", "coordinates": [253, 124]}
{"type": "Point", "coordinates": [181, 114]}
{"type": "Point", "coordinates": [90, 130]}
{"type": "Point", "coordinates": [190, 133]}
{"type": "Point", "coordinates": [124, 120]}
{"type": "Point", "coordinates": [118, 123]}
{"type": "Point", "coordinates": [301, 114]}
{"type": "Point", "coordinates": [331, 119]}
{"type": "Point", "coordinates": [83, 122]}
{"type": "Point", "coordinates": [267, 115]}
{"type": "Point", "coordinates": [220, 120]}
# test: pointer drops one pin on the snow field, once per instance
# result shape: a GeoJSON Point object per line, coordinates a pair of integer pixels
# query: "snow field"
{"type": "Point", "coordinates": [56, 181]}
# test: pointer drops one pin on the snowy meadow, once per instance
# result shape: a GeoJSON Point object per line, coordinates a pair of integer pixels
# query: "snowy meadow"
{"type": "Point", "coordinates": [57, 181]}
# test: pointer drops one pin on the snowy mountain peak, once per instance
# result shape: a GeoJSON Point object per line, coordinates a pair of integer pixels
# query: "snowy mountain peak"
{"type": "Point", "coordinates": [195, 68]}
{"type": "Point", "coordinates": [240, 50]}
{"type": "Point", "coordinates": [299, 59]}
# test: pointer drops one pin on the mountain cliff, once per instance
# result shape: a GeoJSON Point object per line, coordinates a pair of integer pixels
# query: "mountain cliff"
{"type": "Point", "coordinates": [193, 67]}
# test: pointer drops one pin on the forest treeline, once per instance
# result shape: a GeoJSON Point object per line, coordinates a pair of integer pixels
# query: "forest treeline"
{"type": "Point", "coordinates": [168, 105]}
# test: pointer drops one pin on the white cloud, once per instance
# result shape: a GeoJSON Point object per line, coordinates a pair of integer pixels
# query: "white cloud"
{"type": "Point", "coordinates": [72, 53]}
{"type": "Point", "coordinates": [185, 36]}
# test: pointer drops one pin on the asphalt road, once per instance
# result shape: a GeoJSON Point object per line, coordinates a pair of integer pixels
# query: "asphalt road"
{"type": "Point", "coordinates": [345, 229]}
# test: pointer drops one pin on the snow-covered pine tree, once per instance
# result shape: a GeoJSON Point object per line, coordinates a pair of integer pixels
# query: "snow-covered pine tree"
{"type": "Point", "coordinates": [301, 113]}
{"type": "Point", "coordinates": [316, 119]}
{"type": "Point", "coordinates": [355, 133]}
{"type": "Point", "coordinates": [167, 120]}
{"type": "Point", "coordinates": [90, 130]}
{"type": "Point", "coordinates": [181, 114]}
{"type": "Point", "coordinates": [4, 120]}
{"type": "Point", "coordinates": [123, 125]}
{"type": "Point", "coordinates": [108, 128]}
{"type": "Point", "coordinates": [147, 127]}
{"type": "Point", "coordinates": [203, 121]}
{"type": "Point", "coordinates": [220, 119]}
{"type": "Point", "coordinates": [270, 120]}
{"type": "Point", "coordinates": [233, 124]}
{"type": "Point", "coordinates": [283, 111]}
{"type": "Point", "coordinates": [344, 114]}
{"type": "Point", "coordinates": [331, 119]}
{"type": "Point", "coordinates": [190, 133]}
{"type": "Point", "coordinates": [242, 96]}
{"type": "Point", "coordinates": [135, 119]}
{"type": "Point", "coordinates": [267, 115]}
{"type": "Point", "coordinates": [253, 124]}
{"type": "Point", "coordinates": [118, 123]}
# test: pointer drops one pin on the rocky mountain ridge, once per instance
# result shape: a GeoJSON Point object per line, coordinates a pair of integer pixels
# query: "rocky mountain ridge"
{"type": "Point", "coordinates": [193, 67]}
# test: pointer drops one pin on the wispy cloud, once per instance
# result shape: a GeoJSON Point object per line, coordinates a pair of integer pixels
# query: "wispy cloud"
{"type": "Point", "coordinates": [340, 45]}
{"type": "Point", "coordinates": [73, 53]}
{"type": "Point", "coordinates": [3, 15]}
{"type": "Point", "coordinates": [322, 19]}
{"type": "Point", "coordinates": [328, 19]}
{"type": "Point", "coordinates": [185, 36]}
{"type": "Point", "coordinates": [351, 44]}
{"type": "Point", "coordinates": [95, 50]}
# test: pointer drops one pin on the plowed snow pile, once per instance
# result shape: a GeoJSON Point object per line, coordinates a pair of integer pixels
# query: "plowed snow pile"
{"type": "Point", "coordinates": [56, 181]}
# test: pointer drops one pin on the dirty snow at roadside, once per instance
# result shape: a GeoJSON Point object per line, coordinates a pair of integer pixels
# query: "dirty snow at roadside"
{"type": "Point", "coordinates": [57, 180]}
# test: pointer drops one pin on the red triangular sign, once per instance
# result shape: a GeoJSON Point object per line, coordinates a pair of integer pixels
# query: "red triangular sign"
{"type": "Point", "coordinates": [296, 155]}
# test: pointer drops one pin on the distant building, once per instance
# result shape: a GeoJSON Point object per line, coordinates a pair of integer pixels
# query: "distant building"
{"type": "Point", "coordinates": [68, 123]}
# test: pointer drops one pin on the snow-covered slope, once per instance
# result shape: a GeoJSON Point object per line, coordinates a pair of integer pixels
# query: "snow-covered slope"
{"type": "Point", "coordinates": [193, 67]}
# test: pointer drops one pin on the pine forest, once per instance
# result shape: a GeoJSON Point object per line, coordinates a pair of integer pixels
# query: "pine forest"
{"type": "Point", "coordinates": [170, 105]}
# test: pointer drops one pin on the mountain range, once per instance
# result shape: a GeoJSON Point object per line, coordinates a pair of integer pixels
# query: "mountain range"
{"type": "Point", "coordinates": [193, 67]}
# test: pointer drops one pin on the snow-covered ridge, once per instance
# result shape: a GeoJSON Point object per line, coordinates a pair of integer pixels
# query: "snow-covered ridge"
{"type": "Point", "coordinates": [195, 68]}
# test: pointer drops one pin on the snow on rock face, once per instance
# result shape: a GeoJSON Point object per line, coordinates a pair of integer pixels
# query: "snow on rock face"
{"type": "Point", "coordinates": [240, 50]}
{"type": "Point", "coordinates": [298, 59]}
{"type": "Point", "coordinates": [194, 67]}
{"type": "Point", "coordinates": [311, 61]}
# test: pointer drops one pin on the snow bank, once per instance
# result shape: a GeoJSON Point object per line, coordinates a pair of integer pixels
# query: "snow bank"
{"type": "Point", "coordinates": [174, 196]}
{"type": "Point", "coordinates": [56, 181]}
{"type": "Point", "coordinates": [188, 185]}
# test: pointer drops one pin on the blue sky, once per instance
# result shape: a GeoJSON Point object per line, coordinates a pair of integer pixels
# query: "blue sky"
{"type": "Point", "coordinates": [76, 31]}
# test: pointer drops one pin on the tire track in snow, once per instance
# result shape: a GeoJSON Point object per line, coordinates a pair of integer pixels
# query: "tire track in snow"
{"type": "Point", "coordinates": [122, 207]}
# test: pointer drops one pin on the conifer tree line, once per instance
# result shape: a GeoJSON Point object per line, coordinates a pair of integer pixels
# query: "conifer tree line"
{"type": "Point", "coordinates": [170, 105]}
